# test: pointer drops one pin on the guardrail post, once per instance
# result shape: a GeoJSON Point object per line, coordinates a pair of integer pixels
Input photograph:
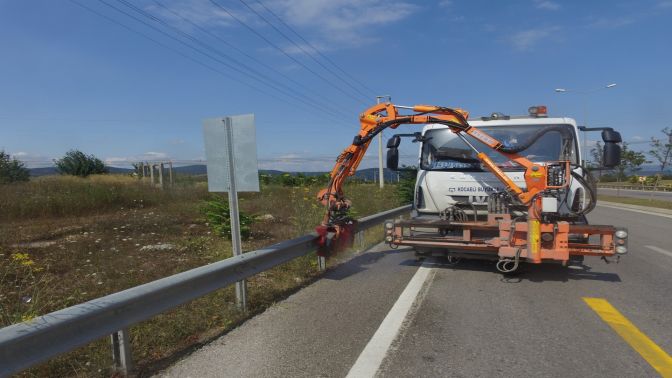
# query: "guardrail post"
{"type": "Point", "coordinates": [359, 240]}
{"type": "Point", "coordinates": [322, 263]}
{"type": "Point", "coordinates": [121, 352]}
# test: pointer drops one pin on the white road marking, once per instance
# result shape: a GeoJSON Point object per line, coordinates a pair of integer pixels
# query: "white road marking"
{"type": "Point", "coordinates": [372, 356]}
{"type": "Point", "coordinates": [635, 210]}
{"type": "Point", "coordinates": [659, 250]}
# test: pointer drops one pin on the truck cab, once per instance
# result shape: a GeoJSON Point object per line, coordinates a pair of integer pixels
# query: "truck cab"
{"type": "Point", "coordinates": [451, 176]}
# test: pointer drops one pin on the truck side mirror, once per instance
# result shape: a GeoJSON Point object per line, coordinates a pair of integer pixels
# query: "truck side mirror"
{"type": "Point", "coordinates": [611, 136]}
{"type": "Point", "coordinates": [394, 141]}
{"type": "Point", "coordinates": [611, 154]}
{"type": "Point", "coordinates": [393, 158]}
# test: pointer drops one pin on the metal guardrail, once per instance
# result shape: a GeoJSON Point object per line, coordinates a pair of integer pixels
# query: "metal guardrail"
{"type": "Point", "coordinates": [646, 188]}
{"type": "Point", "coordinates": [26, 344]}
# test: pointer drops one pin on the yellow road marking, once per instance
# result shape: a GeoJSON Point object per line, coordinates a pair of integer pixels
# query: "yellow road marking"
{"type": "Point", "coordinates": [652, 353]}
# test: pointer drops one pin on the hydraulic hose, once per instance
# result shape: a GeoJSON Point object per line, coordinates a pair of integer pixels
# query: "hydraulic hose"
{"type": "Point", "coordinates": [589, 188]}
{"type": "Point", "coordinates": [530, 141]}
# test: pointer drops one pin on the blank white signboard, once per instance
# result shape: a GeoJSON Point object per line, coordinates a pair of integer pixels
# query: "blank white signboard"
{"type": "Point", "coordinates": [244, 142]}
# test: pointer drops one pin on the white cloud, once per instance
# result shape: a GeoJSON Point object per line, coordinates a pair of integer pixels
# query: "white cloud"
{"type": "Point", "coordinates": [200, 12]}
{"type": "Point", "coordinates": [32, 160]}
{"type": "Point", "coordinates": [446, 3]}
{"type": "Point", "coordinates": [664, 4]}
{"type": "Point", "coordinates": [612, 22]}
{"type": "Point", "coordinates": [128, 160]}
{"type": "Point", "coordinates": [337, 23]}
{"type": "Point", "coordinates": [546, 5]}
{"type": "Point", "coordinates": [527, 39]}
{"type": "Point", "coordinates": [299, 48]}
{"type": "Point", "coordinates": [343, 22]}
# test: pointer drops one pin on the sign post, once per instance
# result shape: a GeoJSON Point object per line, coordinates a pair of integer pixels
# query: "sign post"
{"type": "Point", "coordinates": [231, 153]}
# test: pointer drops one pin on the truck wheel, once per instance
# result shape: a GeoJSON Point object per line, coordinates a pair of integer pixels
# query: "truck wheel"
{"type": "Point", "coordinates": [452, 260]}
{"type": "Point", "coordinates": [421, 254]}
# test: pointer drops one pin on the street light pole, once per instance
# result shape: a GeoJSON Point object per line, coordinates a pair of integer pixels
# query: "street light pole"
{"type": "Point", "coordinates": [584, 105]}
{"type": "Point", "coordinates": [381, 173]}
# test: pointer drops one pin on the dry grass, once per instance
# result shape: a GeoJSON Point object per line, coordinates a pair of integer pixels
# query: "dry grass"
{"type": "Point", "coordinates": [61, 196]}
{"type": "Point", "coordinates": [65, 240]}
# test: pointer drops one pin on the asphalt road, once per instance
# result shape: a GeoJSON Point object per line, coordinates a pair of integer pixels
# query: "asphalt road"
{"type": "Point", "coordinates": [665, 196]}
{"type": "Point", "coordinates": [462, 321]}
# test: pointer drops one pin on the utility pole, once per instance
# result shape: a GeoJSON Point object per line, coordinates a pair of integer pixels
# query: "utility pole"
{"type": "Point", "coordinates": [381, 172]}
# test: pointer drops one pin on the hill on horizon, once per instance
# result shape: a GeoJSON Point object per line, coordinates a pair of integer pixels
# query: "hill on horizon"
{"type": "Point", "coordinates": [369, 174]}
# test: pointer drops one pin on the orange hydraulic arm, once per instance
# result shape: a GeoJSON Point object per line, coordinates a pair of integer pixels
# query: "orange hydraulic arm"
{"type": "Point", "coordinates": [379, 117]}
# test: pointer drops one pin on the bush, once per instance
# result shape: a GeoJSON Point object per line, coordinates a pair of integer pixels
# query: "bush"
{"type": "Point", "coordinates": [12, 170]}
{"type": "Point", "coordinates": [218, 214]}
{"type": "Point", "coordinates": [77, 163]}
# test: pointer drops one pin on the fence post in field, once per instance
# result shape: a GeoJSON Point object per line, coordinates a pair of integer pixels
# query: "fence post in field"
{"type": "Point", "coordinates": [141, 168]}
{"type": "Point", "coordinates": [121, 352]}
{"type": "Point", "coordinates": [170, 172]}
{"type": "Point", "coordinates": [151, 172]}
{"type": "Point", "coordinates": [160, 175]}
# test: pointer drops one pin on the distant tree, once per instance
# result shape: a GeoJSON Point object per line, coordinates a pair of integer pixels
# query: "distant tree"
{"type": "Point", "coordinates": [12, 170]}
{"type": "Point", "coordinates": [631, 162]}
{"type": "Point", "coordinates": [661, 150]}
{"type": "Point", "coordinates": [77, 163]}
{"type": "Point", "coordinates": [597, 154]}
{"type": "Point", "coordinates": [598, 159]}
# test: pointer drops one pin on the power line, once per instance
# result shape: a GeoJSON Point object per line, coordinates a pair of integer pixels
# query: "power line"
{"type": "Point", "coordinates": [226, 75]}
{"type": "Point", "coordinates": [284, 52]}
{"type": "Point", "coordinates": [168, 47]}
{"type": "Point", "coordinates": [318, 51]}
{"type": "Point", "coordinates": [232, 46]}
{"type": "Point", "coordinates": [195, 40]}
{"type": "Point", "coordinates": [303, 50]}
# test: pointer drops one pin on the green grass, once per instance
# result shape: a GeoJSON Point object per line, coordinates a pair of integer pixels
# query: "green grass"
{"type": "Point", "coordinates": [66, 240]}
{"type": "Point", "coordinates": [637, 201]}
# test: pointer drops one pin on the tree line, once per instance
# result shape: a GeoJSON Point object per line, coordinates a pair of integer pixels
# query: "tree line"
{"type": "Point", "coordinates": [74, 162]}
{"type": "Point", "coordinates": [660, 153]}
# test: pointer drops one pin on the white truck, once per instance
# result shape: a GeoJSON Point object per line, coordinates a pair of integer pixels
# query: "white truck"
{"type": "Point", "coordinates": [456, 197]}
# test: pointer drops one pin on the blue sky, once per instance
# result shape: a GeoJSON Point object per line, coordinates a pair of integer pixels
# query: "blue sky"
{"type": "Point", "coordinates": [70, 78]}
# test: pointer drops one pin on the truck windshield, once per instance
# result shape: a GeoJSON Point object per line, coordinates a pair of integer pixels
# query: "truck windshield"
{"type": "Point", "coordinates": [445, 151]}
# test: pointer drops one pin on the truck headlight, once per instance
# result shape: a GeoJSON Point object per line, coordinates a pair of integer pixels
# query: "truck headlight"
{"type": "Point", "coordinates": [621, 234]}
{"type": "Point", "coordinates": [388, 239]}
{"type": "Point", "coordinates": [389, 225]}
{"type": "Point", "coordinates": [621, 249]}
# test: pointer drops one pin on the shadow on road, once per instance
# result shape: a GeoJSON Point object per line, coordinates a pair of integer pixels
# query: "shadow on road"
{"type": "Point", "coordinates": [527, 272]}
{"type": "Point", "coordinates": [358, 264]}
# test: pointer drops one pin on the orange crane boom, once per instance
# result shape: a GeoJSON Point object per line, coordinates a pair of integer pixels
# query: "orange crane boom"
{"type": "Point", "coordinates": [375, 119]}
